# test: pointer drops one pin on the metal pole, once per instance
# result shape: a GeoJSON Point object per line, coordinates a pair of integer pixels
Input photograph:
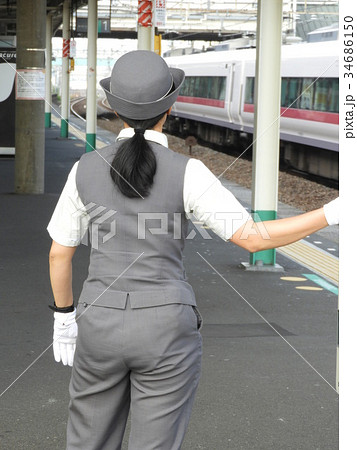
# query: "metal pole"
{"type": "Point", "coordinates": [267, 123]}
{"type": "Point", "coordinates": [48, 96]}
{"type": "Point", "coordinates": [65, 70]}
{"type": "Point", "coordinates": [29, 108]}
{"type": "Point", "coordinates": [144, 38]}
{"type": "Point", "coordinates": [91, 111]}
{"type": "Point", "coordinates": [153, 24]}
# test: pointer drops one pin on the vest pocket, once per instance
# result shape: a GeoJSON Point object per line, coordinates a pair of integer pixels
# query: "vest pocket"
{"type": "Point", "coordinates": [198, 317]}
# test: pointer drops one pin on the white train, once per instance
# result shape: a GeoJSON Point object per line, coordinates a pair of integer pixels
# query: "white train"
{"type": "Point", "coordinates": [216, 103]}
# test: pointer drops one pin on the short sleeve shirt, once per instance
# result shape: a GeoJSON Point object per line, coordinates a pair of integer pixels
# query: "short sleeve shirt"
{"type": "Point", "coordinates": [204, 196]}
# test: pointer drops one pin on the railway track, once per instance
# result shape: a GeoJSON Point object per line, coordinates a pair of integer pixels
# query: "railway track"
{"type": "Point", "coordinates": [78, 108]}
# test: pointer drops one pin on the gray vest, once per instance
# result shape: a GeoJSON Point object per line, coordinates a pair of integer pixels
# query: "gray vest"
{"type": "Point", "coordinates": [136, 244]}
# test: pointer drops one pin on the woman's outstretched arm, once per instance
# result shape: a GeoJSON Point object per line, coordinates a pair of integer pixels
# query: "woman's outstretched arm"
{"type": "Point", "coordinates": [257, 236]}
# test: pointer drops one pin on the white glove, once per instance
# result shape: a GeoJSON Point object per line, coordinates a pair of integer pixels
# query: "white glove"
{"type": "Point", "coordinates": [64, 337]}
{"type": "Point", "coordinates": [332, 211]}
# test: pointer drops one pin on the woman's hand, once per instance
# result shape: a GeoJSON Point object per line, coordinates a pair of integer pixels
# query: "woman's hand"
{"type": "Point", "coordinates": [64, 337]}
{"type": "Point", "coordinates": [65, 326]}
{"type": "Point", "coordinates": [332, 211]}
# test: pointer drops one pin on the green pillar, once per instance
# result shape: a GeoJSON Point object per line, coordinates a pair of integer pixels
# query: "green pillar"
{"type": "Point", "coordinates": [64, 128]}
{"type": "Point", "coordinates": [90, 142]}
{"type": "Point", "coordinates": [266, 256]}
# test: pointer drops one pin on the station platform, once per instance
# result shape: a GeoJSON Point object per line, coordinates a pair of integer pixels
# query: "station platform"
{"type": "Point", "coordinates": [269, 339]}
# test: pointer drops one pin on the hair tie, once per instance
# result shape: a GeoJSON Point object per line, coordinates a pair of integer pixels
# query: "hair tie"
{"type": "Point", "coordinates": [139, 131]}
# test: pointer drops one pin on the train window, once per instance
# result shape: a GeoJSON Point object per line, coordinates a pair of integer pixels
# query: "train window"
{"type": "Point", "coordinates": [326, 95]}
{"type": "Point", "coordinates": [222, 88]}
{"type": "Point", "coordinates": [192, 86]}
{"type": "Point", "coordinates": [213, 87]}
{"type": "Point", "coordinates": [291, 88]}
{"type": "Point", "coordinates": [303, 93]}
{"type": "Point", "coordinates": [185, 88]}
{"type": "Point", "coordinates": [204, 87]}
{"type": "Point", "coordinates": [249, 90]}
{"type": "Point", "coordinates": [218, 88]}
{"type": "Point", "coordinates": [321, 95]}
{"type": "Point", "coordinates": [333, 95]}
{"type": "Point", "coordinates": [284, 85]}
{"type": "Point", "coordinates": [196, 86]}
{"type": "Point", "coordinates": [307, 94]}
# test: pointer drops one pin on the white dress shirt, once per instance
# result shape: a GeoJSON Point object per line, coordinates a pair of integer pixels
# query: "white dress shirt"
{"type": "Point", "coordinates": [203, 195]}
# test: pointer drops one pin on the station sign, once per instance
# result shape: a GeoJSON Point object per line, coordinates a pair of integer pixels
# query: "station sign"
{"type": "Point", "coordinates": [103, 25]}
{"type": "Point", "coordinates": [7, 100]}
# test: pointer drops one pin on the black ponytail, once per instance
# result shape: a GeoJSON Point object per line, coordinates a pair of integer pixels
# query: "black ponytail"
{"type": "Point", "coordinates": [134, 165]}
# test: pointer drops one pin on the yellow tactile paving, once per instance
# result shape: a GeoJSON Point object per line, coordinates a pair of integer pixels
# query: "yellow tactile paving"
{"type": "Point", "coordinates": [313, 258]}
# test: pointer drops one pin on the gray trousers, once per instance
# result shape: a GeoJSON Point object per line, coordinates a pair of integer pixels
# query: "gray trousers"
{"type": "Point", "coordinates": [145, 360]}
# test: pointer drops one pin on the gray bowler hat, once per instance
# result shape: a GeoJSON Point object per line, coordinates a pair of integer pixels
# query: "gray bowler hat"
{"type": "Point", "coordinates": [142, 86]}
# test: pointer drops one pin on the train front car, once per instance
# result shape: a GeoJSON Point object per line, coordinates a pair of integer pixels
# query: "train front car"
{"type": "Point", "coordinates": [204, 103]}
{"type": "Point", "coordinates": [216, 103]}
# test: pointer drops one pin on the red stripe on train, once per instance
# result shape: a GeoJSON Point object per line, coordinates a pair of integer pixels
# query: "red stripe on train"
{"type": "Point", "coordinates": [304, 114]}
{"type": "Point", "coordinates": [201, 101]}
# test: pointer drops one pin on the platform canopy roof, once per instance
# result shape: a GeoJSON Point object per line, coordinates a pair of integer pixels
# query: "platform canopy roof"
{"type": "Point", "coordinates": [185, 19]}
{"type": "Point", "coordinates": [8, 14]}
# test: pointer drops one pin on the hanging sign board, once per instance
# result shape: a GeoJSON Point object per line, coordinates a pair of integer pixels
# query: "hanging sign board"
{"type": "Point", "coordinates": [160, 13]}
{"type": "Point", "coordinates": [81, 24]}
{"type": "Point", "coordinates": [73, 49]}
{"type": "Point", "coordinates": [30, 84]}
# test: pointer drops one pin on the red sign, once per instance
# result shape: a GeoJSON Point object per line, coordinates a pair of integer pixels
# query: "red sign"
{"type": "Point", "coordinates": [65, 48]}
{"type": "Point", "coordinates": [145, 13]}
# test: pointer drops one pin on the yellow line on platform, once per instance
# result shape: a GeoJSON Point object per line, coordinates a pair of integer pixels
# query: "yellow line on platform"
{"type": "Point", "coordinates": [314, 258]}
{"type": "Point", "coordinates": [78, 133]}
{"type": "Point", "coordinates": [56, 120]}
